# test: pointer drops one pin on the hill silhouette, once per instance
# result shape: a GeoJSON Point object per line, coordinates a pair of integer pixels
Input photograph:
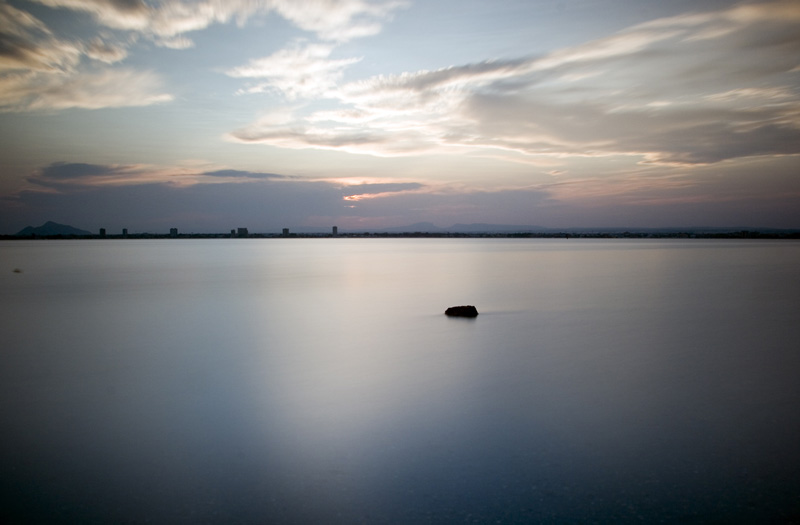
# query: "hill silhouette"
{"type": "Point", "coordinates": [51, 228]}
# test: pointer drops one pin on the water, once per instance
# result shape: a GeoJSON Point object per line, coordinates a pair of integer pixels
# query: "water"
{"type": "Point", "coordinates": [297, 381]}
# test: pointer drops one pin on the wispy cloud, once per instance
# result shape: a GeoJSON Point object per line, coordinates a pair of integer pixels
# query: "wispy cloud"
{"type": "Point", "coordinates": [297, 71]}
{"type": "Point", "coordinates": [30, 91]}
{"type": "Point", "coordinates": [332, 20]}
{"type": "Point", "coordinates": [28, 44]}
{"type": "Point", "coordinates": [240, 174]}
{"type": "Point", "coordinates": [105, 51]}
{"type": "Point", "coordinates": [112, 88]}
{"type": "Point", "coordinates": [359, 192]}
{"type": "Point", "coordinates": [71, 176]}
{"type": "Point", "coordinates": [119, 14]}
{"type": "Point", "coordinates": [340, 20]}
{"type": "Point", "coordinates": [39, 71]}
{"type": "Point", "coordinates": [686, 90]}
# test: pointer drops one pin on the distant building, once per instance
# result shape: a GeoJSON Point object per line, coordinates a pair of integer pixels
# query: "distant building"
{"type": "Point", "coordinates": [102, 232]}
{"type": "Point", "coordinates": [124, 232]}
{"type": "Point", "coordinates": [242, 232]}
{"type": "Point", "coordinates": [286, 232]}
{"type": "Point", "coordinates": [233, 233]}
{"type": "Point", "coordinates": [173, 232]}
{"type": "Point", "coordinates": [335, 230]}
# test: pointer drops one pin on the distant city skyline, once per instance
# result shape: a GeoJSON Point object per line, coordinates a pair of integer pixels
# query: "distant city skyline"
{"type": "Point", "coordinates": [370, 114]}
{"type": "Point", "coordinates": [52, 230]}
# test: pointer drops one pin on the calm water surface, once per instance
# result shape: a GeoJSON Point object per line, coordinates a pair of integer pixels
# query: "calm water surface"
{"type": "Point", "coordinates": [297, 381]}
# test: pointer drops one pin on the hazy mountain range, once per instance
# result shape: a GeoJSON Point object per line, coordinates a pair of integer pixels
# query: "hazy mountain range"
{"type": "Point", "coordinates": [427, 227]}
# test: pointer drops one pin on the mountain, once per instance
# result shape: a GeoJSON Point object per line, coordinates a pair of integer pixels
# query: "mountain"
{"type": "Point", "coordinates": [428, 227]}
{"type": "Point", "coordinates": [425, 227]}
{"type": "Point", "coordinates": [51, 228]}
{"type": "Point", "coordinates": [494, 228]}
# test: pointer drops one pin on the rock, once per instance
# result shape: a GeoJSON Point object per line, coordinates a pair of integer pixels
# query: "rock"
{"type": "Point", "coordinates": [462, 311]}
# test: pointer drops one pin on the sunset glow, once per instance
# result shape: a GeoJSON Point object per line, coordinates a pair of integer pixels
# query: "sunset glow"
{"type": "Point", "coordinates": [606, 113]}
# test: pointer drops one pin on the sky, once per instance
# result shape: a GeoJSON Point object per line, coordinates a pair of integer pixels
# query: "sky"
{"type": "Point", "coordinates": [211, 115]}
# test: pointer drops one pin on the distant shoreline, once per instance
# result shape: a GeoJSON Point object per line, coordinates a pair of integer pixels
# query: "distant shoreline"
{"type": "Point", "coordinates": [743, 234]}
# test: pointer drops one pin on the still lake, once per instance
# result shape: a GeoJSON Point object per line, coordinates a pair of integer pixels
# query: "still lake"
{"type": "Point", "coordinates": [318, 381]}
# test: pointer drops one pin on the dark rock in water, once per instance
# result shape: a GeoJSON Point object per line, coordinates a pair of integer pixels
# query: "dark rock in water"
{"type": "Point", "coordinates": [462, 311]}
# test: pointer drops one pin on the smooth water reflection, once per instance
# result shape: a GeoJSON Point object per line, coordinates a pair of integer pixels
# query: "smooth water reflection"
{"type": "Point", "coordinates": [318, 381]}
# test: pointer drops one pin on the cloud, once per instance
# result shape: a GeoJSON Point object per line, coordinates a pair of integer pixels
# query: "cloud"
{"type": "Point", "coordinates": [298, 71]}
{"type": "Point", "coordinates": [40, 91]}
{"type": "Point", "coordinates": [27, 44]}
{"type": "Point", "coordinates": [338, 20]}
{"type": "Point", "coordinates": [239, 174]}
{"type": "Point", "coordinates": [379, 142]}
{"type": "Point", "coordinates": [447, 205]}
{"type": "Point", "coordinates": [82, 194]}
{"type": "Point", "coordinates": [39, 71]}
{"type": "Point", "coordinates": [70, 176]}
{"type": "Point", "coordinates": [726, 195]}
{"type": "Point", "coordinates": [359, 192]}
{"type": "Point", "coordinates": [63, 171]}
{"type": "Point", "coordinates": [129, 15]}
{"type": "Point", "coordinates": [331, 20]}
{"type": "Point", "coordinates": [378, 188]}
{"type": "Point", "coordinates": [156, 198]}
{"type": "Point", "coordinates": [104, 89]}
{"type": "Point", "coordinates": [107, 52]}
{"type": "Point", "coordinates": [686, 90]}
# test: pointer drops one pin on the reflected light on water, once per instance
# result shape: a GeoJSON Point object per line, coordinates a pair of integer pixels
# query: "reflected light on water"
{"type": "Point", "coordinates": [298, 381]}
